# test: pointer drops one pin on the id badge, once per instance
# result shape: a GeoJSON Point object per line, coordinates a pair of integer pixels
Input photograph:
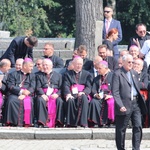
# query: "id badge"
{"type": "Point", "coordinates": [74, 90]}
{"type": "Point", "coordinates": [101, 94]}
{"type": "Point", "coordinates": [49, 91]}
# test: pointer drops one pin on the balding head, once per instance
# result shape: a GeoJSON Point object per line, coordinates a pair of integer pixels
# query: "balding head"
{"type": "Point", "coordinates": [138, 65]}
{"type": "Point", "coordinates": [5, 65]}
{"type": "Point", "coordinates": [77, 63]}
{"type": "Point", "coordinates": [18, 64]}
{"type": "Point", "coordinates": [96, 60]}
{"type": "Point", "coordinates": [123, 52]}
{"type": "Point", "coordinates": [47, 65]}
{"type": "Point", "coordinates": [134, 51]}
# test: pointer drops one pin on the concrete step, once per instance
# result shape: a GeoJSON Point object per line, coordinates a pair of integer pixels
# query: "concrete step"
{"type": "Point", "coordinates": [64, 133]}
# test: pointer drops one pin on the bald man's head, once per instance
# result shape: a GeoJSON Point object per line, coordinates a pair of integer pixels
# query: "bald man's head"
{"type": "Point", "coordinates": [47, 65]}
{"type": "Point", "coordinates": [18, 64]}
{"type": "Point", "coordinates": [77, 63]}
{"type": "Point", "coordinates": [5, 65]}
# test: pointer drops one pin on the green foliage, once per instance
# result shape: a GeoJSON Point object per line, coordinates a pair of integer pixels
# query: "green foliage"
{"type": "Point", "coordinates": [62, 19]}
{"type": "Point", "coordinates": [25, 16]}
{"type": "Point", "coordinates": [130, 13]}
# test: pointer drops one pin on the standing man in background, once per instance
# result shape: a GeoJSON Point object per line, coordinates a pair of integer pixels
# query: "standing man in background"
{"type": "Point", "coordinates": [49, 53]}
{"type": "Point", "coordinates": [110, 23]}
{"type": "Point", "coordinates": [141, 36]}
{"type": "Point", "coordinates": [19, 48]}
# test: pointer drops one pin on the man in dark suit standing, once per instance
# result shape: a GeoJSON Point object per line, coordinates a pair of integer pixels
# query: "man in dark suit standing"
{"type": "Point", "coordinates": [110, 23]}
{"type": "Point", "coordinates": [19, 48]}
{"type": "Point", "coordinates": [129, 104]}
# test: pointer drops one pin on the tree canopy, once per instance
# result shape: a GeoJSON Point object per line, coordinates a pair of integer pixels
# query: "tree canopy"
{"type": "Point", "coordinates": [26, 16]}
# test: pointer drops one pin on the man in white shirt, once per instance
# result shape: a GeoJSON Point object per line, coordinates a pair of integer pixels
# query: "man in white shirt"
{"type": "Point", "coordinates": [145, 52]}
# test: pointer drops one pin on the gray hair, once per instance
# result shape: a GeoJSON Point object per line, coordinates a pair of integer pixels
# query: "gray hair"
{"type": "Point", "coordinates": [126, 56]}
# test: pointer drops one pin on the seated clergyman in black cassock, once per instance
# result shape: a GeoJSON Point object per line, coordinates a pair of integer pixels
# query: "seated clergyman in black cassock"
{"type": "Point", "coordinates": [76, 88]}
{"type": "Point", "coordinates": [19, 105]}
{"type": "Point", "coordinates": [49, 105]}
{"type": "Point", "coordinates": [101, 108]}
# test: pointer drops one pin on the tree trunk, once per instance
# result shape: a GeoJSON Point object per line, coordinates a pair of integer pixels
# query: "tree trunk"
{"type": "Point", "coordinates": [88, 14]}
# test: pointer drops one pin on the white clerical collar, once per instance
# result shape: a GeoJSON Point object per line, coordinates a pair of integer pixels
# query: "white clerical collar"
{"type": "Point", "coordinates": [77, 71]}
{"type": "Point", "coordinates": [49, 72]}
{"type": "Point", "coordinates": [23, 72]}
{"type": "Point", "coordinates": [95, 70]}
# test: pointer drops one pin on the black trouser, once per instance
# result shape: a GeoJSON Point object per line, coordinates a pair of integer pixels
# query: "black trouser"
{"type": "Point", "coordinates": [121, 126]}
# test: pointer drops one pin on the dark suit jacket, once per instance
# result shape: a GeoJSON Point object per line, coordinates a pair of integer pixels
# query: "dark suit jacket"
{"type": "Point", "coordinates": [143, 80]}
{"type": "Point", "coordinates": [114, 24]}
{"type": "Point", "coordinates": [141, 40]}
{"type": "Point", "coordinates": [109, 45]}
{"type": "Point", "coordinates": [87, 64]}
{"type": "Point", "coordinates": [91, 71]}
{"type": "Point", "coordinates": [121, 89]}
{"type": "Point", "coordinates": [57, 61]}
{"type": "Point", "coordinates": [67, 63]}
{"type": "Point", "coordinates": [17, 49]}
{"type": "Point", "coordinates": [112, 63]}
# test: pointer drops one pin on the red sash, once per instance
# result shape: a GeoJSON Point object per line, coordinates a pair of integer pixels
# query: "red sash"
{"type": "Point", "coordinates": [144, 93]}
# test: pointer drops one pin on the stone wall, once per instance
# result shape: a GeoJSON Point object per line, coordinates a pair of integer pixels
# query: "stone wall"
{"type": "Point", "coordinates": [63, 46]}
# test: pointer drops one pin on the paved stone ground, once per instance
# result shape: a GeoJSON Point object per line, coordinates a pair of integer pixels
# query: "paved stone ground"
{"type": "Point", "coordinates": [66, 145]}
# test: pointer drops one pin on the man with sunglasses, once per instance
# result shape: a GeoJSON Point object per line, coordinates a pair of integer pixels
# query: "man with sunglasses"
{"type": "Point", "coordinates": [19, 48]}
{"type": "Point", "coordinates": [110, 23]}
{"type": "Point", "coordinates": [129, 103]}
{"type": "Point", "coordinates": [141, 37]}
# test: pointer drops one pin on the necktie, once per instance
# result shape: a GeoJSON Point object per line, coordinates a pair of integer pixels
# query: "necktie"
{"type": "Point", "coordinates": [107, 26]}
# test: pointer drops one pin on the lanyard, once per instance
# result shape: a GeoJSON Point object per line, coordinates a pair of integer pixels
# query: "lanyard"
{"type": "Point", "coordinates": [23, 80]}
{"type": "Point", "coordinates": [49, 76]}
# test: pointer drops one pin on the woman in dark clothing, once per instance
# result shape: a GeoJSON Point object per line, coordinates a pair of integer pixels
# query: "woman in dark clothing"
{"type": "Point", "coordinates": [110, 37]}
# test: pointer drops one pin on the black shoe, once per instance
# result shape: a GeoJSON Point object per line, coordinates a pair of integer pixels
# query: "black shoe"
{"type": "Point", "coordinates": [84, 126]}
{"type": "Point", "coordinates": [42, 126]}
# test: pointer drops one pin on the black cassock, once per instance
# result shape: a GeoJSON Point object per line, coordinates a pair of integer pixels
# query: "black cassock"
{"type": "Point", "coordinates": [53, 80]}
{"type": "Point", "coordinates": [15, 107]}
{"type": "Point", "coordinates": [98, 108]}
{"type": "Point", "coordinates": [77, 108]}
